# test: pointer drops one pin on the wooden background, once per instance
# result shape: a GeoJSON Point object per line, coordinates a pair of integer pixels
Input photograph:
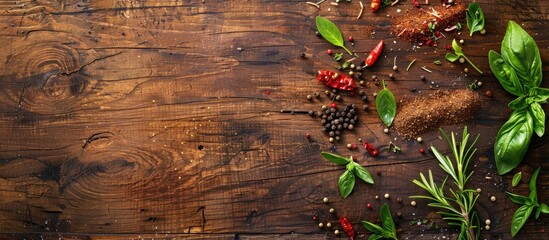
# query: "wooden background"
{"type": "Point", "coordinates": [151, 119]}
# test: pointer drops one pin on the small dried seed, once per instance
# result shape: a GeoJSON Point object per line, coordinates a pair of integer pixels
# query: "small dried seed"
{"type": "Point", "coordinates": [386, 196]}
{"type": "Point", "coordinates": [332, 210]}
{"type": "Point", "coordinates": [325, 199]}
{"type": "Point", "coordinates": [493, 198]}
{"type": "Point", "coordinates": [413, 203]}
{"type": "Point", "coordinates": [488, 222]}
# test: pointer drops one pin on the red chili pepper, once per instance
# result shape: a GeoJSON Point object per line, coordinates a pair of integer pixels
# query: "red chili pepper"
{"type": "Point", "coordinates": [347, 227]}
{"type": "Point", "coordinates": [374, 54]}
{"type": "Point", "coordinates": [336, 80]}
{"type": "Point", "coordinates": [371, 149]}
{"type": "Point", "coordinates": [416, 3]}
{"type": "Point", "coordinates": [374, 6]}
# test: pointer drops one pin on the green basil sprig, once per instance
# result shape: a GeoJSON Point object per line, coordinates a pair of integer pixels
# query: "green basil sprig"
{"type": "Point", "coordinates": [458, 53]}
{"type": "Point", "coordinates": [528, 205]}
{"type": "Point", "coordinates": [475, 18]}
{"type": "Point", "coordinates": [386, 230]}
{"type": "Point", "coordinates": [346, 181]}
{"type": "Point", "coordinates": [386, 105]}
{"type": "Point", "coordinates": [330, 32]}
{"type": "Point", "coordinates": [519, 71]}
{"type": "Point", "coordinates": [516, 179]}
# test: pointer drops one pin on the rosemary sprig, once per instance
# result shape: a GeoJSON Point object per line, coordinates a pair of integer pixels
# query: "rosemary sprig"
{"type": "Point", "coordinates": [457, 208]}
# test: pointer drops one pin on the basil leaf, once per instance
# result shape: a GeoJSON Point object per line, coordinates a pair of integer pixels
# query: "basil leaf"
{"type": "Point", "coordinates": [539, 118]}
{"type": "Point", "coordinates": [516, 179]}
{"type": "Point", "coordinates": [346, 183]}
{"type": "Point", "coordinates": [362, 173]}
{"type": "Point", "coordinates": [512, 141]}
{"type": "Point", "coordinates": [505, 74]}
{"type": "Point", "coordinates": [451, 57]}
{"type": "Point", "coordinates": [520, 217]}
{"type": "Point", "coordinates": [350, 166]}
{"type": "Point", "coordinates": [330, 32]}
{"type": "Point", "coordinates": [539, 95]}
{"type": "Point", "coordinates": [387, 220]}
{"type": "Point", "coordinates": [543, 208]}
{"type": "Point", "coordinates": [457, 48]}
{"type": "Point", "coordinates": [518, 199]}
{"type": "Point", "coordinates": [532, 185]}
{"type": "Point", "coordinates": [386, 106]}
{"type": "Point", "coordinates": [372, 227]}
{"type": "Point", "coordinates": [519, 103]}
{"type": "Point", "coordinates": [520, 51]}
{"type": "Point", "coordinates": [375, 237]}
{"type": "Point", "coordinates": [339, 160]}
{"type": "Point", "coordinates": [475, 18]}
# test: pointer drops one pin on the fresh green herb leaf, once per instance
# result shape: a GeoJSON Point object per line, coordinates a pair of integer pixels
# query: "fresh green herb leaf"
{"type": "Point", "coordinates": [539, 95]}
{"type": "Point", "coordinates": [512, 141]}
{"type": "Point", "coordinates": [516, 179]}
{"type": "Point", "coordinates": [362, 173]}
{"type": "Point", "coordinates": [543, 208]}
{"type": "Point", "coordinates": [330, 32]}
{"type": "Point", "coordinates": [519, 103]}
{"type": "Point", "coordinates": [533, 191]}
{"type": "Point", "coordinates": [519, 50]}
{"type": "Point", "coordinates": [338, 56]}
{"type": "Point", "coordinates": [475, 18]}
{"type": "Point", "coordinates": [346, 183]}
{"type": "Point", "coordinates": [459, 53]}
{"type": "Point", "coordinates": [505, 74]}
{"type": "Point", "coordinates": [520, 217]}
{"type": "Point", "coordinates": [386, 105]}
{"type": "Point", "coordinates": [345, 65]}
{"type": "Point", "coordinates": [518, 199]}
{"type": "Point", "coordinates": [339, 160]}
{"type": "Point", "coordinates": [350, 167]}
{"type": "Point", "coordinates": [387, 228]}
{"type": "Point", "coordinates": [437, 62]}
{"type": "Point", "coordinates": [372, 227]}
{"type": "Point", "coordinates": [538, 115]}
{"type": "Point", "coordinates": [458, 26]}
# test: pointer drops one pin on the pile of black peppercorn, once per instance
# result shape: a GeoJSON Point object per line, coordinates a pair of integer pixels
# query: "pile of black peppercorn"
{"type": "Point", "coordinates": [335, 122]}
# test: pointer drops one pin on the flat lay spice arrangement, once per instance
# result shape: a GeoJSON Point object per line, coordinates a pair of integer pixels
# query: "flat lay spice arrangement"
{"type": "Point", "coordinates": [518, 68]}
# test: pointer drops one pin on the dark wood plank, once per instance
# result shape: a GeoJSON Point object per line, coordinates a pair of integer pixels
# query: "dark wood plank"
{"type": "Point", "coordinates": [129, 119]}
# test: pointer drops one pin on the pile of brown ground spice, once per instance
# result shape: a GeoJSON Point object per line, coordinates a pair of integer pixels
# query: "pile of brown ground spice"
{"type": "Point", "coordinates": [413, 25]}
{"type": "Point", "coordinates": [443, 107]}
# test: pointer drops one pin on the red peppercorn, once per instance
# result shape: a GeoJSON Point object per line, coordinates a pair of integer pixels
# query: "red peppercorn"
{"type": "Point", "coordinates": [448, 47]}
{"type": "Point", "coordinates": [379, 173]}
{"type": "Point", "coordinates": [350, 38]}
{"type": "Point", "coordinates": [354, 146]}
{"type": "Point", "coordinates": [330, 52]}
{"type": "Point", "coordinates": [422, 150]}
{"type": "Point", "coordinates": [314, 217]}
{"type": "Point", "coordinates": [369, 206]}
{"type": "Point", "coordinates": [308, 135]}
{"type": "Point", "coordinates": [489, 93]}
{"type": "Point", "coordinates": [354, 158]}
{"type": "Point", "coordinates": [268, 92]}
{"type": "Point", "coordinates": [333, 105]}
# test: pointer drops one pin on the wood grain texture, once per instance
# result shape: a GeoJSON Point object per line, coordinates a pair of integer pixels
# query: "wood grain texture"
{"type": "Point", "coordinates": [124, 119]}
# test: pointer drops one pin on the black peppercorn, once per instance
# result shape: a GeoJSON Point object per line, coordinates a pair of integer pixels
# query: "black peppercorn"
{"type": "Point", "coordinates": [365, 107]}
{"type": "Point", "coordinates": [364, 98]}
{"type": "Point", "coordinates": [337, 133]}
{"type": "Point", "coordinates": [317, 95]}
{"type": "Point", "coordinates": [331, 133]}
{"type": "Point", "coordinates": [302, 55]}
{"type": "Point", "coordinates": [311, 113]}
{"type": "Point", "coordinates": [309, 97]}
{"type": "Point", "coordinates": [423, 78]}
{"type": "Point", "coordinates": [351, 127]}
{"type": "Point", "coordinates": [337, 138]}
{"type": "Point", "coordinates": [317, 33]}
{"type": "Point", "coordinates": [361, 93]}
{"type": "Point", "coordinates": [352, 121]}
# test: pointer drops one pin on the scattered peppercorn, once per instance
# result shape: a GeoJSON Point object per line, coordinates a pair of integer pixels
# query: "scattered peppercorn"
{"type": "Point", "coordinates": [314, 217]}
{"type": "Point", "coordinates": [329, 225]}
{"type": "Point", "coordinates": [493, 198]}
{"type": "Point", "coordinates": [422, 150]}
{"type": "Point", "coordinates": [332, 210]}
{"type": "Point", "coordinates": [461, 41]}
{"type": "Point", "coordinates": [479, 190]}
{"type": "Point", "coordinates": [413, 203]}
{"type": "Point", "coordinates": [376, 197]}
{"type": "Point", "coordinates": [365, 107]}
{"type": "Point", "coordinates": [320, 225]}
{"type": "Point", "coordinates": [399, 214]}
{"type": "Point", "coordinates": [331, 139]}
{"type": "Point", "coordinates": [487, 227]}
{"type": "Point", "coordinates": [336, 232]}
{"type": "Point", "coordinates": [483, 31]}
{"type": "Point", "coordinates": [354, 146]}
{"type": "Point", "coordinates": [466, 70]}
{"type": "Point", "coordinates": [350, 38]}
{"type": "Point", "coordinates": [317, 33]}
{"type": "Point", "coordinates": [349, 146]}
{"type": "Point", "coordinates": [302, 55]}
{"type": "Point", "coordinates": [309, 97]}
{"type": "Point", "coordinates": [423, 78]}
{"type": "Point", "coordinates": [386, 130]}
{"type": "Point", "coordinates": [479, 83]}
{"type": "Point", "coordinates": [391, 76]}
{"type": "Point", "coordinates": [488, 222]}
{"type": "Point", "coordinates": [378, 173]}
{"type": "Point", "coordinates": [325, 199]}
{"type": "Point", "coordinates": [317, 95]}
{"type": "Point", "coordinates": [489, 93]}
{"type": "Point", "coordinates": [386, 196]}
{"type": "Point", "coordinates": [330, 52]}
{"type": "Point", "coordinates": [395, 67]}
{"type": "Point", "coordinates": [399, 200]}
{"type": "Point", "coordinates": [461, 60]}
{"type": "Point", "coordinates": [419, 139]}
{"type": "Point", "coordinates": [369, 206]}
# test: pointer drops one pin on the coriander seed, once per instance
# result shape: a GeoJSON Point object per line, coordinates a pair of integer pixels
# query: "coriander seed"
{"type": "Point", "coordinates": [320, 225]}
{"type": "Point", "coordinates": [325, 199]}
{"type": "Point", "coordinates": [413, 203]}
{"type": "Point", "coordinates": [336, 232]}
{"type": "Point", "coordinates": [487, 227]}
{"type": "Point", "coordinates": [419, 139]}
{"type": "Point", "coordinates": [488, 222]}
{"type": "Point", "coordinates": [332, 210]}
{"type": "Point", "coordinates": [493, 198]}
{"type": "Point", "coordinates": [386, 196]}
{"type": "Point", "coordinates": [329, 225]}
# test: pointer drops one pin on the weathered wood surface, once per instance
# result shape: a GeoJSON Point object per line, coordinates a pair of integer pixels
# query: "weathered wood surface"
{"type": "Point", "coordinates": [142, 119]}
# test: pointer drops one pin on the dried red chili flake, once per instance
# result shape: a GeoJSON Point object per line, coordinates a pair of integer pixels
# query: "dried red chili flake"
{"type": "Point", "coordinates": [371, 149]}
{"type": "Point", "coordinates": [416, 3]}
{"type": "Point", "coordinates": [268, 92]}
{"type": "Point", "coordinates": [336, 80]}
{"type": "Point", "coordinates": [347, 227]}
